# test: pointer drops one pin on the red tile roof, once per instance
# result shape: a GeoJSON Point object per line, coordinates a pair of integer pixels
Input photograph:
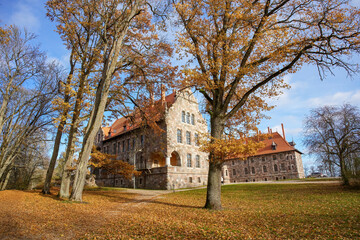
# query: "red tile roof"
{"type": "Point", "coordinates": [281, 145]}
{"type": "Point", "coordinates": [123, 125]}
{"type": "Point", "coordinates": [274, 139]}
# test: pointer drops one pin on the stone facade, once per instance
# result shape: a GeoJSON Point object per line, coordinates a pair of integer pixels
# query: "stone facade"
{"type": "Point", "coordinates": [167, 160]}
{"type": "Point", "coordinates": [277, 160]}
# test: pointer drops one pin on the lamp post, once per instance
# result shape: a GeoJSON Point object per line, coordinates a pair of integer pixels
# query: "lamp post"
{"type": "Point", "coordinates": [135, 168]}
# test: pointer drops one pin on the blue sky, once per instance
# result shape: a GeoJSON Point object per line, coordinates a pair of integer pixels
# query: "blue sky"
{"type": "Point", "coordinates": [307, 90]}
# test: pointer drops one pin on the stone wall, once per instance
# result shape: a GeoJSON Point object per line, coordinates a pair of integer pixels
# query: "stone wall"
{"type": "Point", "coordinates": [271, 167]}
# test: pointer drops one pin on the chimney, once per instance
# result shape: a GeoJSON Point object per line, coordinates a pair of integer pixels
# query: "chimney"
{"type": "Point", "coordinates": [162, 93]}
{"type": "Point", "coordinates": [283, 131]}
{"type": "Point", "coordinates": [268, 130]}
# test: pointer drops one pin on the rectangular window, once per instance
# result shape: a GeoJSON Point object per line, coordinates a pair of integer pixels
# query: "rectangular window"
{"type": "Point", "coordinates": [188, 118]}
{"type": "Point", "coordinates": [179, 136]}
{"type": "Point", "coordinates": [183, 116]}
{"type": "Point", "coordinates": [199, 179]}
{"type": "Point", "coordinates": [142, 140]}
{"type": "Point", "coordinates": [234, 172]}
{"type": "Point", "coordinates": [119, 147]}
{"type": "Point", "coordinates": [114, 148]}
{"type": "Point", "coordinates": [190, 179]}
{"type": "Point", "coordinates": [192, 119]}
{"type": "Point", "coordinates": [128, 144]}
{"type": "Point", "coordinates": [123, 147]}
{"type": "Point", "coordinates": [133, 145]}
{"type": "Point", "coordinates": [274, 157]}
{"type": "Point", "coordinates": [197, 161]}
{"type": "Point", "coordinates": [188, 138]}
{"type": "Point", "coordinates": [197, 139]}
{"type": "Point", "coordinates": [188, 160]}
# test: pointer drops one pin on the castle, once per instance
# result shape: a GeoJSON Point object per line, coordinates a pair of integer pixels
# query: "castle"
{"type": "Point", "coordinates": [277, 160]}
{"type": "Point", "coordinates": [172, 159]}
{"type": "Point", "coordinates": [167, 160]}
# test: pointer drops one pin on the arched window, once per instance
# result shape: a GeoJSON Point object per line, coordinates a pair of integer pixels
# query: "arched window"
{"type": "Point", "coordinates": [264, 168]}
{"type": "Point", "coordinates": [234, 172]}
{"type": "Point", "coordinates": [253, 170]}
{"type": "Point", "coordinates": [275, 168]}
{"type": "Point", "coordinates": [192, 119]}
{"type": "Point", "coordinates": [183, 116]}
{"type": "Point", "coordinates": [188, 117]}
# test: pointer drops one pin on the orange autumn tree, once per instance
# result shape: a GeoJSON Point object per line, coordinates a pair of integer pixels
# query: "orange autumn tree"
{"type": "Point", "coordinates": [111, 39]}
{"type": "Point", "coordinates": [232, 147]}
{"type": "Point", "coordinates": [239, 51]}
{"type": "Point", "coordinates": [111, 165]}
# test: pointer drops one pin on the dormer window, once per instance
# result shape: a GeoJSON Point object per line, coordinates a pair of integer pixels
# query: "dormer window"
{"type": "Point", "coordinates": [124, 127]}
{"type": "Point", "coordinates": [273, 145]}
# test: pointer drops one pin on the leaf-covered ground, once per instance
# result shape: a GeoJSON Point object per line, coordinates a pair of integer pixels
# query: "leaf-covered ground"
{"type": "Point", "coordinates": [251, 211]}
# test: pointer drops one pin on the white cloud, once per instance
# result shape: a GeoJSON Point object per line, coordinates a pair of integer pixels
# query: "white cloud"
{"type": "Point", "coordinates": [64, 60]}
{"type": "Point", "coordinates": [352, 97]}
{"type": "Point", "coordinates": [355, 3]}
{"type": "Point", "coordinates": [25, 17]}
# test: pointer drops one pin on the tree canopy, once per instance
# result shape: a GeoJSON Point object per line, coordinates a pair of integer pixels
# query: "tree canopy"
{"type": "Point", "coordinates": [332, 133]}
{"type": "Point", "coordinates": [239, 51]}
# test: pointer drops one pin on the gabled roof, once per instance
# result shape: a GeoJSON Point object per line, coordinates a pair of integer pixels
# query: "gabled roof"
{"type": "Point", "coordinates": [281, 145]}
{"type": "Point", "coordinates": [274, 143]}
{"type": "Point", "coordinates": [124, 124]}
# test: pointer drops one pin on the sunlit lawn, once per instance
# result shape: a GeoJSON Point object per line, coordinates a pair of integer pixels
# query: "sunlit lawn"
{"type": "Point", "coordinates": [251, 211]}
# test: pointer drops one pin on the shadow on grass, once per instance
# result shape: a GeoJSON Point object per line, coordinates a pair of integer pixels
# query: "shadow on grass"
{"type": "Point", "coordinates": [131, 198]}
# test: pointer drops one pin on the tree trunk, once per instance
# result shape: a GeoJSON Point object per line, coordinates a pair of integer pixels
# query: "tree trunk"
{"type": "Point", "coordinates": [93, 126]}
{"type": "Point", "coordinates": [50, 170]}
{"type": "Point", "coordinates": [66, 172]}
{"type": "Point", "coordinates": [65, 184]}
{"type": "Point", "coordinates": [213, 195]}
{"type": "Point", "coordinates": [64, 115]}
{"type": "Point", "coordinates": [5, 181]}
{"type": "Point", "coordinates": [65, 179]}
{"type": "Point", "coordinates": [343, 171]}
